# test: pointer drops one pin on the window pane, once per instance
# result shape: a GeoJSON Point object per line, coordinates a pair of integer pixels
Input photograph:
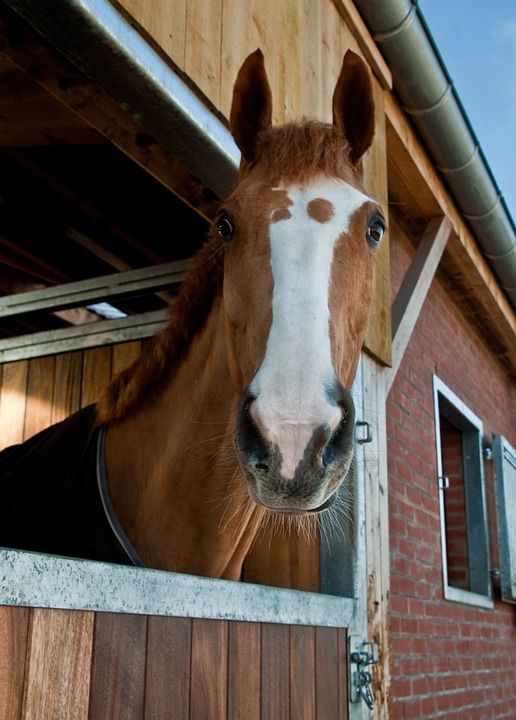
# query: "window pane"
{"type": "Point", "coordinates": [455, 506]}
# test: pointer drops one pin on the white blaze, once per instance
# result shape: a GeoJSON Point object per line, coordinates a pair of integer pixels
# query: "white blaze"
{"type": "Point", "coordinates": [290, 386]}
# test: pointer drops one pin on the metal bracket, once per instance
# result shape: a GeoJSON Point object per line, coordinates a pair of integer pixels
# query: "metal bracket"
{"type": "Point", "coordinates": [361, 654]}
{"type": "Point", "coordinates": [444, 482]}
{"type": "Point", "coordinates": [367, 436]}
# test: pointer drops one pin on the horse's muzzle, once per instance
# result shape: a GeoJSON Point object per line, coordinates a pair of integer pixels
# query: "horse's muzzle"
{"type": "Point", "coordinates": [318, 475]}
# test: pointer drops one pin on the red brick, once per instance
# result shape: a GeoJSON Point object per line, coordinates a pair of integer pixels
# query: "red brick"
{"type": "Point", "coordinates": [460, 659]}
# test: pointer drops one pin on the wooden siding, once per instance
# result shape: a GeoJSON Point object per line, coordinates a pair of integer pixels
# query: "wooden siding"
{"type": "Point", "coordinates": [37, 393]}
{"type": "Point", "coordinates": [79, 665]}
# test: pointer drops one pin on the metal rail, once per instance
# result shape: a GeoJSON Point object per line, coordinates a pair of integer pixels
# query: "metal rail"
{"type": "Point", "coordinates": [86, 292]}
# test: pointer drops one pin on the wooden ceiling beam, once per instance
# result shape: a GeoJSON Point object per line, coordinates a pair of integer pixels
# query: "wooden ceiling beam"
{"type": "Point", "coordinates": [30, 117]}
{"type": "Point", "coordinates": [66, 84]}
{"type": "Point", "coordinates": [88, 209]}
{"type": "Point", "coordinates": [14, 256]}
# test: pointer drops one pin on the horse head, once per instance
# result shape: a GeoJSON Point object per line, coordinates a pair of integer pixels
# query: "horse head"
{"type": "Point", "coordinates": [299, 236]}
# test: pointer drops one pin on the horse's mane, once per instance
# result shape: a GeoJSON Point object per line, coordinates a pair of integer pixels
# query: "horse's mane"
{"type": "Point", "coordinates": [292, 152]}
{"type": "Point", "coordinates": [161, 355]}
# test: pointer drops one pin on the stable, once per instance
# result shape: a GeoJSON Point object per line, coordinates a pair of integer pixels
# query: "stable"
{"type": "Point", "coordinates": [113, 138]}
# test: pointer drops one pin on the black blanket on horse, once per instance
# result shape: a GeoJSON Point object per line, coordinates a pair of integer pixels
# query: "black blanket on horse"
{"type": "Point", "coordinates": [54, 497]}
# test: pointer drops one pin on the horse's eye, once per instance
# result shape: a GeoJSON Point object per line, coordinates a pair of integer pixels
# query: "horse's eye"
{"type": "Point", "coordinates": [375, 231]}
{"type": "Point", "coordinates": [225, 226]}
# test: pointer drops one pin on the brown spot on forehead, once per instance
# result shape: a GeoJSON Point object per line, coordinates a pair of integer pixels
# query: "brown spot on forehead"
{"type": "Point", "coordinates": [320, 210]}
{"type": "Point", "coordinates": [281, 202]}
{"type": "Point", "coordinates": [280, 214]}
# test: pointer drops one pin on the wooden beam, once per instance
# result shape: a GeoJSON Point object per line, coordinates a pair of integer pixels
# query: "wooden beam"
{"type": "Point", "coordinates": [87, 292]}
{"type": "Point", "coordinates": [472, 283]}
{"type": "Point", "coordinates": [377, 531]}
{"type": "Point", "coordinates": [413, 291]}
{"type": "Point", "coordinates": [16, 257]}
{"type": "Point", "coordinates": [360, 32]}
{"type": "Point", "coordinates": [69, 86]}
{"type": "Point", "coordinates": [106, 255]}
{"type": "Point", "coordinates": [82, 337]}
{"type": "Point", "coordinates": [31, 117]}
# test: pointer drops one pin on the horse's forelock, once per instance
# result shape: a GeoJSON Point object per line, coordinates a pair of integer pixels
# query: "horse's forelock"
{"type": "Point", "coordinates": [160, 356]}
{"type": "Point", "coordinates": [302, 151]}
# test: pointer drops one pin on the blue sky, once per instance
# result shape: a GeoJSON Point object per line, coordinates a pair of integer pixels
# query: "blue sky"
{"type": "Point", "coordinates": [477, 41]}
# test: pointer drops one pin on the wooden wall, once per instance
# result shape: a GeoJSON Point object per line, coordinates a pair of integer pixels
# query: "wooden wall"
{"type": "Point", "coordinates": [78, 665]}
{"type": "Point", "coordinates": [37, 393]}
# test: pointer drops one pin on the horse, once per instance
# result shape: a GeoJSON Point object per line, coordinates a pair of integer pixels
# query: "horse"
{"type": "Point", "coordinates": [239, 410]}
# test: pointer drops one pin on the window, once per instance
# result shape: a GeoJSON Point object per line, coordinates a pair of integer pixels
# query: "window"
{"type": "Point", "coordinates": [464, 535]}
{"type": "Point", "coordinates": [504, 457]}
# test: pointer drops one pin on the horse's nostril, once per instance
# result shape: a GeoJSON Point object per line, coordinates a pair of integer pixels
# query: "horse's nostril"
{"type": "Point", "coordinates": [341, 439]}
{"type": "Point", "coordinates": [249, 439]}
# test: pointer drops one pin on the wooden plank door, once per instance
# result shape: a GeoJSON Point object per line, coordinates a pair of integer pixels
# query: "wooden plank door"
{"type": "Point", "coordinates": [81, 665]}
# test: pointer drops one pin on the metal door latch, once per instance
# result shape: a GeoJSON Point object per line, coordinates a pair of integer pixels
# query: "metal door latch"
{"type": "Point", "coordinates": [361, 654]}
{"type": "Point", "coordinates": [365, 435]}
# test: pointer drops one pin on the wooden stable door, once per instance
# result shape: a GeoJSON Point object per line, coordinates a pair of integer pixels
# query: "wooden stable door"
{"type": "Point", "coordinates": [88, 661]}
{"type": "Point", "coordinates": [81, 665]}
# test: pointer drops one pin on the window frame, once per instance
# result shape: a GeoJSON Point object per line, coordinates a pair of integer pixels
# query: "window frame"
{"type": "Point", "coordinates": [471, 426]}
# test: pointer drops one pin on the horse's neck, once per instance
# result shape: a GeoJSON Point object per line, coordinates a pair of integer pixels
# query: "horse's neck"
{"type": "Point", "coordinates": [173, 473]}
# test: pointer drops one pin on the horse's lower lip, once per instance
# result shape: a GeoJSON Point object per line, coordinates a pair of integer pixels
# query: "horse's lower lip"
{"type": "Point", "coordinates": [285, 510]}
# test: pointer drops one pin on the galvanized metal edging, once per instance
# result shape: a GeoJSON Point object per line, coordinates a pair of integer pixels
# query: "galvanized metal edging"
{"type": "Point", "coordinates": [82, 337]}
{"type": "Point", "coordinates": [37, 580]}
{"type": "Point", "coordinates": [86, 292]}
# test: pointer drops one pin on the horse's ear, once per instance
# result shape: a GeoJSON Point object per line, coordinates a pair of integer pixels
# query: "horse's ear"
{"type": "Point", "coordinates": [251, 110]}
{"type": "Point", "coordinates": [353, 105]}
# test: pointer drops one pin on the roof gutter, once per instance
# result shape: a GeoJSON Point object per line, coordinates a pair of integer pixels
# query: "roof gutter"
{"type": "Point", "coordinates": [428, 96]}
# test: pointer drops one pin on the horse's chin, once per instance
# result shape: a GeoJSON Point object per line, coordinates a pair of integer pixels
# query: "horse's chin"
{"type": "Point", "coordinates": [282, 506]}
{"type": "Point", "coordinates": [301, 512]}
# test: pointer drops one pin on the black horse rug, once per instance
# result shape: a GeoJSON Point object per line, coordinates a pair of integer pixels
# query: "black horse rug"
{"type": "Point", "coordinates": [54, 496]}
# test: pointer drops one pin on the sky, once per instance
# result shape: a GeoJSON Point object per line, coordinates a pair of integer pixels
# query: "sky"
{"type": "Point", "coordinates": [477, 42]}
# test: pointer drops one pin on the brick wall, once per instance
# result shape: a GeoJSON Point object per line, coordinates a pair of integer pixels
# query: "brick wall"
{"type": "Point", "coordinates": [450, 659]}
